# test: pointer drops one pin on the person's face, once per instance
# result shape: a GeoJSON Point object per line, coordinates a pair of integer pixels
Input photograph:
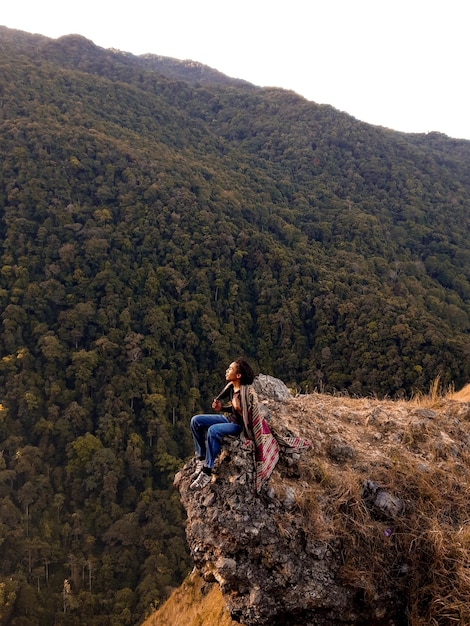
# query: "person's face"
{"type": "Point", "coordinates": [232, 373]}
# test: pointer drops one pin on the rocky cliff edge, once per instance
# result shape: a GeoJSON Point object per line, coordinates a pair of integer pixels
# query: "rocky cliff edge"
{"type": "Point", "coordinates": [370, 526]}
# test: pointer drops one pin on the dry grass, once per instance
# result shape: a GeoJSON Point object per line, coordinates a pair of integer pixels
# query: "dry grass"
{"type": "Point", "coordinates": [418, 451]}
{"type": "Point", "coordinates": [462, 396]}
{"type": "Point", "coordinates": [437, 392]}
{"type": "Point", "coordinates": [193, 604]}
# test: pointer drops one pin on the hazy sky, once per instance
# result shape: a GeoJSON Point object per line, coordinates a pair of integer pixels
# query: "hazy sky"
{"type": "Point", "coordinates": [402, 64]}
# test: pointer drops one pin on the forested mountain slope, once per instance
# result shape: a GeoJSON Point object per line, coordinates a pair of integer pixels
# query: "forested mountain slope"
{"type": "Point", "coordinates": [151, 228]}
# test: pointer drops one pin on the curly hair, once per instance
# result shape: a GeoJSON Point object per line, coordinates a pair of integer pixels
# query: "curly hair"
{"type": "Point", "coordinates": [244, 368]}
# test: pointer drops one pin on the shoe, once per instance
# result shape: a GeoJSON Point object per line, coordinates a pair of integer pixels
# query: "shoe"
{"type": "Point", "coordinates": [197, 468]}
{"type": "Point", "coordinates": [201, 481]}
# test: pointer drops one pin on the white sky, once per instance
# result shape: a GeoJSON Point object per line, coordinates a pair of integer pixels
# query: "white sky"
{"type": "Point", "coordinates": [402, 64]}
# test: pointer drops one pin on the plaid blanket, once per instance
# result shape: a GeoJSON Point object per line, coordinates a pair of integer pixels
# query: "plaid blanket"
{"type": "Point", "coordinates": [266, 451]}
{"type": "Point", "coordinates": [267, 445]}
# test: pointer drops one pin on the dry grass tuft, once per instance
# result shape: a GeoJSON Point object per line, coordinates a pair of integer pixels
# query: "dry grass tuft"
{"type": "Point", "coordinates": [436, 393]}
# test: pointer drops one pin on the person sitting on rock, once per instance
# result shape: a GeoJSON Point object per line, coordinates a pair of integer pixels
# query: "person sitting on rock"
{"type": "Point", "coordinates": [207, 430]}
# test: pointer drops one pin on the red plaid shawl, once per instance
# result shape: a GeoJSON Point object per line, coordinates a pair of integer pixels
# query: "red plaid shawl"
{"type": "Point", "coordinates": [266, 444]}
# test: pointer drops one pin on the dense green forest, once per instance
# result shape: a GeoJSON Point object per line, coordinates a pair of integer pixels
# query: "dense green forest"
{"type": "Point", "coordinates": [156, 220]}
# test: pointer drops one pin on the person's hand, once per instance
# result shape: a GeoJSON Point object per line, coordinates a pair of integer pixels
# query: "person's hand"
{"type": "Point", "coordinates": [217, 405]}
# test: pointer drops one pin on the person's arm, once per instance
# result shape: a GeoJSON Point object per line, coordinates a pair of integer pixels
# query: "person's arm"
{"type": "Point", "coordinates": [224, 395]}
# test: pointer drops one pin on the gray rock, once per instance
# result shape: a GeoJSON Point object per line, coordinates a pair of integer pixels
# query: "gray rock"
{"type": "Point", "coordinates": [268, 564]}
{"type": "Point", "coordinates": [381, 501]}
{"type": "Point", "coordinates": [340, 451]}
{"type": "Point", "coordinates": [272, 388]}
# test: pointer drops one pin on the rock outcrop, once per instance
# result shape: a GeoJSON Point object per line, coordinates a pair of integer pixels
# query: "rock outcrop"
{"type": "Point", "coordinates": [345, 533]}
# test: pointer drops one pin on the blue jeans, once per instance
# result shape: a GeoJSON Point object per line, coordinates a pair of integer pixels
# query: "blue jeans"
{"type": "Point", "coordinates": [207, 432]}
